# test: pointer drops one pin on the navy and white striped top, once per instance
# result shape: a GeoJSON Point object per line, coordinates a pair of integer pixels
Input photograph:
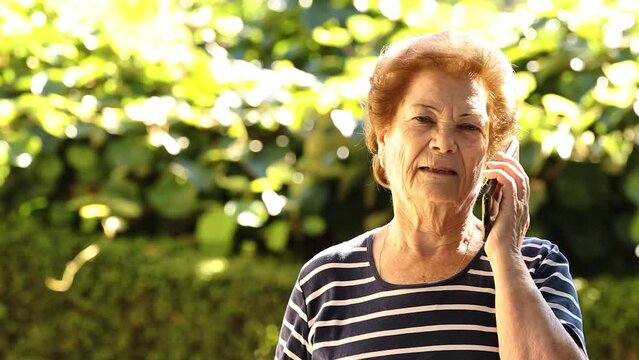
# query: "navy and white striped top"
{"type": "Point", "coordinates": [340, 308]}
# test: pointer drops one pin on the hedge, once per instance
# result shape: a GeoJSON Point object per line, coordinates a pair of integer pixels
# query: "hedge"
{"type": "Point", "coordinates": [136, 300]}
{"type": "Point", "coordinates": [157, 299]}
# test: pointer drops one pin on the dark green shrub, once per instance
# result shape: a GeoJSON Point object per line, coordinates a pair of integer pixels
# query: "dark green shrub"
{"type": "Point", "coordinates": [611, 317]}
{"type": "Point", "coordinates": [136, 300]}
{"type": "Point", "coordinates": [163, 299]}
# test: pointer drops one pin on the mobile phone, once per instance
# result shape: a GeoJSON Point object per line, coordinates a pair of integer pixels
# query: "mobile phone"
{"type": "Point", "coordinates": [489, 189]}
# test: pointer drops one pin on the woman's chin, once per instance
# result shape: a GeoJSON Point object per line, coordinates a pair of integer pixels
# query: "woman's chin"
{"type": "Point", "coordinates": [446, 198]}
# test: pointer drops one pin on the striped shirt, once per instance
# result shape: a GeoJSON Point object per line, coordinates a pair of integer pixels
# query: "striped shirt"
{"type": "Point", "coordinates": [340, 308]}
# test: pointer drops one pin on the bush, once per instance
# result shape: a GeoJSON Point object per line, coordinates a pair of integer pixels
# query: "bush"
{"type": "Point", "coordinates": [137, 300]}
{"type": "Point", "coordinates": [163, 299]}
{"type": "Point", "coordinates": [611, 317]}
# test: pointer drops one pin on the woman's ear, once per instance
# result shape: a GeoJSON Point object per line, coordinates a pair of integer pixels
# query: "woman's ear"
{"type": "Point", "coordinates": [381, 139]}
{"type": "Point", "coordinates": [381, 142]}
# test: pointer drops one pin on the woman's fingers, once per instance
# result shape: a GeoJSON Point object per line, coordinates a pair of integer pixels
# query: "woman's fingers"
{"type": "Point", "coordinates": [514, 170]}
{"type": "Point", "coordinates": [513, 218]}
{"type": "Point", "coordinates": [506, 182]}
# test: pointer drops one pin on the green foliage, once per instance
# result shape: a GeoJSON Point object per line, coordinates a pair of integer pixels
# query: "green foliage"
{"type": "Point", "coordinates": [215, 231]}
{"type": "Point", "coordinates": [139, 299]}
{"type": "Point", "coordinates": [236, 127]}
{"type": "Point", "coordinates": [237, 122]}
{"type": "Point", "coordinates": [611, 317]}
{"type": "Point", "coordinates": [162, 299]}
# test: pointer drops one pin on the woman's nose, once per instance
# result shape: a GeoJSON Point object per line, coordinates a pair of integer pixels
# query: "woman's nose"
{"type": "Point", "coordinates": [443, 141]}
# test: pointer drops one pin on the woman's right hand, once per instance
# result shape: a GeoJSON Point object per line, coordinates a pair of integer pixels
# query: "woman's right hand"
{"type": "Point", "coordinates": [513, 217]}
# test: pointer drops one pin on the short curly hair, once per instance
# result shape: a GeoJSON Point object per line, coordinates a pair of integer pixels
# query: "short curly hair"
{"type": "Point", "coordinates": [458, 53]}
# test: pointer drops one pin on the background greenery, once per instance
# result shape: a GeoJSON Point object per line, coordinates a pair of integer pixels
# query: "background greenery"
{"type": "Point", "coordinates": [199, 151]}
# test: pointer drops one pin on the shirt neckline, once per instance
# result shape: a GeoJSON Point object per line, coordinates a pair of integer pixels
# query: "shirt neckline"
{"type": "Point", "coordinates": [378, 278]}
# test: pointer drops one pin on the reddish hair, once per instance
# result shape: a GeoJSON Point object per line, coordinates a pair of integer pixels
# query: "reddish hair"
{"type": "Point", "coordinates": [454, 52]}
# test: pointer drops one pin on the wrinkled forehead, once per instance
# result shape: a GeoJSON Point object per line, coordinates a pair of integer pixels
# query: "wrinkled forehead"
{"type": "Point", "coordinates": [439, 89]}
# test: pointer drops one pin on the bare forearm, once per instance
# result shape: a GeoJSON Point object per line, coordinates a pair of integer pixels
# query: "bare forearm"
{"type": "Point", "coordinates": [526, 326]}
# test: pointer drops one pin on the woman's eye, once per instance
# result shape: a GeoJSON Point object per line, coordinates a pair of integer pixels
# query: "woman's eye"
{"type": "Point", "coordinates": [424, 119]}
{"type": "Point", "coordinates": [469, 127]}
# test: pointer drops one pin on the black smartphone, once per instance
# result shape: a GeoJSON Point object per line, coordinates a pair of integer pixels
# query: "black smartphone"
{"type": "Point", "coordinates": [489, 189]}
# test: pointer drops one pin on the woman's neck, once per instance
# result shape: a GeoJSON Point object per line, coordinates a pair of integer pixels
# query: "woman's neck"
{"type": "Point", "coordinates": [436, 228]}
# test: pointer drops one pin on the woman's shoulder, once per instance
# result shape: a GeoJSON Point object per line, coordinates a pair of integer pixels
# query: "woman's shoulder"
{"type": "Point", "coordinates": [536, 246]}
{"type": "Point", "coordinates": [353, 251]}
{"type": "Point", "coordinates": [540, 253]}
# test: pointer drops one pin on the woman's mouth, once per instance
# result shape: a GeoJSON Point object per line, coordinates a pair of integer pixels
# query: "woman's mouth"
{"type": "Point", "coordinates": [438, 170]}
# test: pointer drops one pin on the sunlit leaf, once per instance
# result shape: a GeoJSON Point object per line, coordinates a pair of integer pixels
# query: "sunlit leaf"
{"type": "Point", "coordinates": [334, 36]}
{"type": "Point", "coordinates": [617, 148]}
{"type": "Point", "coordinates": [94, 211]}
{"type": "Point", "coordinates": [261, 184]}
{"type": "Point", "coordinates": [228, 25]}
{"type": "Point", "coordinates": [559, 105]}
{"type": "Point", "coordinates": [621, 97]}
{"type": "Point", "coordinates": [526, 84]}
{"type": "Point", "coordinates": [215, 230]}
{"type": "Point", "coordinates": [530, 117]}
{"type": "Point", "coordinates": [280, 172]}
{"type": "Point", "coordinates": [277, 235]}
{"type": "Point", "coordinates": [7, 112]}
{"type": "Point", "coordinates": [365, 28]}
{"type": "Point", "coordinates": [623, 73]}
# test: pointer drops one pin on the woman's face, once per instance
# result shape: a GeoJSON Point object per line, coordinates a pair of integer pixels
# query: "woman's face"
{"type": "Point", "coordinates": [437, 144]}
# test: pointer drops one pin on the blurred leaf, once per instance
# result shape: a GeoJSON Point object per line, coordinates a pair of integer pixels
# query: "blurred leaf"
{"type": "Point", "coordinates": [558, 105]}
{"type": "Point", "coordinates": [334, 36]}
{"type": "Point", "coordinates": [525, 85]}
{"type": "Point", "coordinates": [262, 184]}
{"type": "Point", "coordinates": [314, 198]}
{"type": "Point", "coordinates": [314, 225]}
{"type": "Point", "coordinates": [49, 168]}
{"type": "Point", "coordinates": [631, 186]}
{"type": "Point", "coordinates": [82, 157]}
{"type": "Point", "coordinates": [277, 235]}
{"type": "Point", "coordinates": [580, 186]}
{"type": "Point", "coordinates": [94, 211]}
{"type": "Point", "coordinates": [130, 152]}
{"type": "Point", "coordinates": [279, 173]}
{"type": "Point", "coordinates": [249, 213]}
{"type": "Point", "coordinates": [7, 112]}
{"type": "Point", "coordinates": [123, 197]}
{"type": "Point", "coordinates": [623, 73]}
{"type": "Point", "coordinates": [621, 97]}
{"type": "Point", "coordinates": [365, 28]}
{"type": "Point", "coordinates": [233, 183]}
{"type": "Point", "coordinates": [195, 173]}
{"type": "Point", "coordinates": [377, 219]}
{"type": "Point", "coordinates": [634, 227]}
{"type": "Point", "coordinates": [172, 198]}
{"type": "Point", "coordinates": [215, 230]}
{"type": "Point", "coordinates": [124, 207]}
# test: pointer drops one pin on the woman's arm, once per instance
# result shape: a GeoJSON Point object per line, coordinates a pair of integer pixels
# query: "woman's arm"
{"type": "Point", "coordinates": [526, 325]}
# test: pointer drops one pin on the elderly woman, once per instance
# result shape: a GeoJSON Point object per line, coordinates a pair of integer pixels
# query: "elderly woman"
{"type": "Point", "coordinates": [432, 284]}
